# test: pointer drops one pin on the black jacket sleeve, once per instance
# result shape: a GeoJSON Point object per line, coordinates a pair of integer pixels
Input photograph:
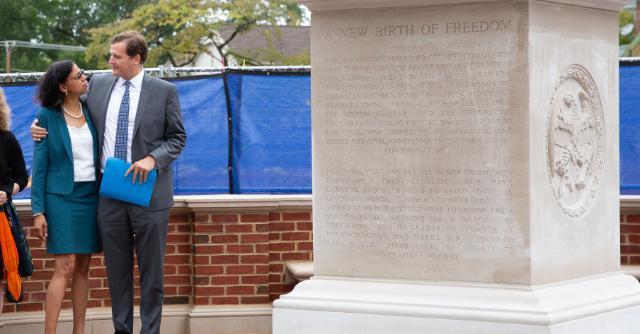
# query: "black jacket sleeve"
{"type": "Point", "coordinates": [17, 165]}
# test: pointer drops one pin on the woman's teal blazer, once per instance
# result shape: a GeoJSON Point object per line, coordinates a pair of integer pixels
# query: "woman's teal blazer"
{"type": "Point", "coordinates": [52, 170]}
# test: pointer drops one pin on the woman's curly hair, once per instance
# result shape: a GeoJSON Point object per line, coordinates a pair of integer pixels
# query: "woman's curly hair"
{"type": "Point", "coordinates": [49, 93]}
{"type": "Point", "coordinates": [5, 113]}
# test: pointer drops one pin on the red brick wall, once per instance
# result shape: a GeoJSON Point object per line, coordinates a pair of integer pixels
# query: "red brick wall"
{"type": "Point", "coordinates": [212, 258]}
{"type": "Point", "coordinates": [630, 238]}
{"type": "Point", "coordinates": [239, 258]}
{"type": "Point", "coordinates": [230, 257]}
{"type": "Point", "coordinates": [290, 239]}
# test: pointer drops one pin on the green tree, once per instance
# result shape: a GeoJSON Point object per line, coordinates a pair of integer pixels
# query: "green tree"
{"type": "Point", "coordinates": [625, 20]}
{"type": "Point", "coordinates": [56, 22]}
{"type": "Point", "coordinates": [178, 30]}
{"type": "Point", "coordinates": [628, 37]}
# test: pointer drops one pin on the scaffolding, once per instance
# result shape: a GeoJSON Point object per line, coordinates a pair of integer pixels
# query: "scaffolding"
{"type": "Point", "coordinates": [9, 45]}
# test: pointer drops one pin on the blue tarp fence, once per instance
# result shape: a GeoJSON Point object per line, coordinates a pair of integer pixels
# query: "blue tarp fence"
{"type": "Point", "coordinates": [256, 138]}
{"type": "Point", "coordinates": [630, 127]}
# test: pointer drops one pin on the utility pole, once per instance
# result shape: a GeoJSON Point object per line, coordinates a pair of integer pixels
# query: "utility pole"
{"type": "Point", "coordinates": [7, 52]}
{"type": "Point", "coordinates": [637, 18]}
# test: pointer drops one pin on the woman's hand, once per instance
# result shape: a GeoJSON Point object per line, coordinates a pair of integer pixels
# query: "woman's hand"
{"type": "Point", "coordinates": [16, 189]}
{"type": "Point", "coordinates": [3, 197]}
{"type": "Point", "coordinates": [40, 223]}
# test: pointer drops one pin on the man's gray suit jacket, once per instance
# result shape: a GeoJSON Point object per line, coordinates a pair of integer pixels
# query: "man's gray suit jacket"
{"type": "Point", "coordinates": [158, 129]}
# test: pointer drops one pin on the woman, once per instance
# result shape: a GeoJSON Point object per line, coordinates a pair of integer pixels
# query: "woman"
{"type": "Point", "coordinates": [13, 173]}
{"type": "Point", "coordinates": [64, 189]}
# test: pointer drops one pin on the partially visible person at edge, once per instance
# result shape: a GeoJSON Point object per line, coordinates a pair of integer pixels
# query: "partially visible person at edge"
{"type": "Point", "coordinates": [138, 120]}
{"type": "Point", "coordinates": [13, 173]}
{"type": "Point", "coordinates": [64, 196]}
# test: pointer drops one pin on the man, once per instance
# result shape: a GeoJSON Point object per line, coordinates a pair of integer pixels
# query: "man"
{"type": "Point", "coordinates": [138, 119]}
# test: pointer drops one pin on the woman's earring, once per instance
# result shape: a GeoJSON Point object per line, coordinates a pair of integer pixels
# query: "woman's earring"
{"type": "Point", "coordinates": [66, 92]}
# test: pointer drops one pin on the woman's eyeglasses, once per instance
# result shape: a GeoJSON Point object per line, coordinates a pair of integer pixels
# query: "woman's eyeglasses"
{"type": "Point", "coordinates": [79, 75]}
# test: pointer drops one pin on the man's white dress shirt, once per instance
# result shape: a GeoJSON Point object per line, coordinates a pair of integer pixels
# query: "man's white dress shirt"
{"type": "Point", "coordinates": [111, 123]}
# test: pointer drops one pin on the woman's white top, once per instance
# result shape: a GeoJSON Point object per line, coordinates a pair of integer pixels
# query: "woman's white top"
{"type": "Point", "coordinates": [82, 148]}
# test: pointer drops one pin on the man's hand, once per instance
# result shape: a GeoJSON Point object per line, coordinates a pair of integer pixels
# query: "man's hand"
{"type": "Point", "coordinates": [40, 223]}
{"type": "Point", "coordinates": [37, 133]}
{"type": "Point", "coordinates": [3, 197]}
{"type": "Point", "coordinates": [141, 168]}
{"type": "Point", "coordinates": [16, 189]}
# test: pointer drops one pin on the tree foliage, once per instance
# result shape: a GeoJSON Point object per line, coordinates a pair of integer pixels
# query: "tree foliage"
{"type": "Point", "coordinates": [626, 35]}
{"type": "Point", "coordinates": [57, 22]}
{"type": "Point", "coordinates": [178, 30]}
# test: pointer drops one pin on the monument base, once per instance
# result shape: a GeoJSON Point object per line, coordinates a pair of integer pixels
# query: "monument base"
{"type": "Point", "coordinates": [608, 303]}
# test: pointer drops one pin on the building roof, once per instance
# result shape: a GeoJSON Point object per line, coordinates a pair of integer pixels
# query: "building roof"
{"type": "Point", "coordinates": [288, 40]}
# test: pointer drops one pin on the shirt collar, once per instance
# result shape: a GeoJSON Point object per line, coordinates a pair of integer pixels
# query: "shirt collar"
{"type": "Point", "coordinates": [136, 82]}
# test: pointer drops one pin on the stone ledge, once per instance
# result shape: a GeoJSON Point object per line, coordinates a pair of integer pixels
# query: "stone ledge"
{"type": "Point", "coordinates": [629, 201]}
{"type": "Point", "coordinates": [229, 311]}
{"type": "Point", "coordinates": [269, 202]}
{"type": "Point", "coordinates": [633, 270]}
{"type": "Point", "coordinates": [299, 270]}
{"type": "Point", "coordinates": [175, 319]}
{"type": "Point", "coordinates": [629, 204]}
{"type": "Point", "coordinates": [244, 203]}
{"type": "Point", "coordinates": [224, 203]}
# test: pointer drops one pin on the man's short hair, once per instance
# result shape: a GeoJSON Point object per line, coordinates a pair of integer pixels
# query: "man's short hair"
{"type": "Point", "coordinates": [136, 44]}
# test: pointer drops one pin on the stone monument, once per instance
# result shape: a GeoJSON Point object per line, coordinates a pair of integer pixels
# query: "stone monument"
{"type": "Point", "coordinates": [465, 170]}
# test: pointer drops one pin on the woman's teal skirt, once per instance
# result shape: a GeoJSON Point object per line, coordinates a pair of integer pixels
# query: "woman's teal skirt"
{"type": "Point", "coordinates": [71, 219]}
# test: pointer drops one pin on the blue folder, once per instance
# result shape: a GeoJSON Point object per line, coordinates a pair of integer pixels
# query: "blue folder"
{"type": "Point", "coordinates": [115, 185]}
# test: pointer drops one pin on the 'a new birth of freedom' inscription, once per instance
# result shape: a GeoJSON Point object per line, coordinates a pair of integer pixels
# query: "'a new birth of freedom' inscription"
{"type": "Point", "coordinates": [420, 144]}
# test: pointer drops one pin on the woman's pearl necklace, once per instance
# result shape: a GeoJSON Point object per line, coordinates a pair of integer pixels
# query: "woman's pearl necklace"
{"type": "Point", "coordinates": [72, 115]}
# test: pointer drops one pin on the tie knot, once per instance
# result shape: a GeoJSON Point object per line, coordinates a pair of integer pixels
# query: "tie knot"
{"type": "Point", "coordinates": [127, 84]}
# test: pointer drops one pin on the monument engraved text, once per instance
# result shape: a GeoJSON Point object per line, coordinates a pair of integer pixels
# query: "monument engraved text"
{"type": "Point", "coordinates": [418, 141]}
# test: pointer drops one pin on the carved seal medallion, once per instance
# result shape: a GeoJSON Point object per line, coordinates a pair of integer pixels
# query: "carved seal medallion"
{"type": "Point", "coordinates": [575, 141]}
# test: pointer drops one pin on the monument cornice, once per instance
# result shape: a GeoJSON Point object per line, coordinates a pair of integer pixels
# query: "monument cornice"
{"type": "Point", "coordinates": [327, 5]}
